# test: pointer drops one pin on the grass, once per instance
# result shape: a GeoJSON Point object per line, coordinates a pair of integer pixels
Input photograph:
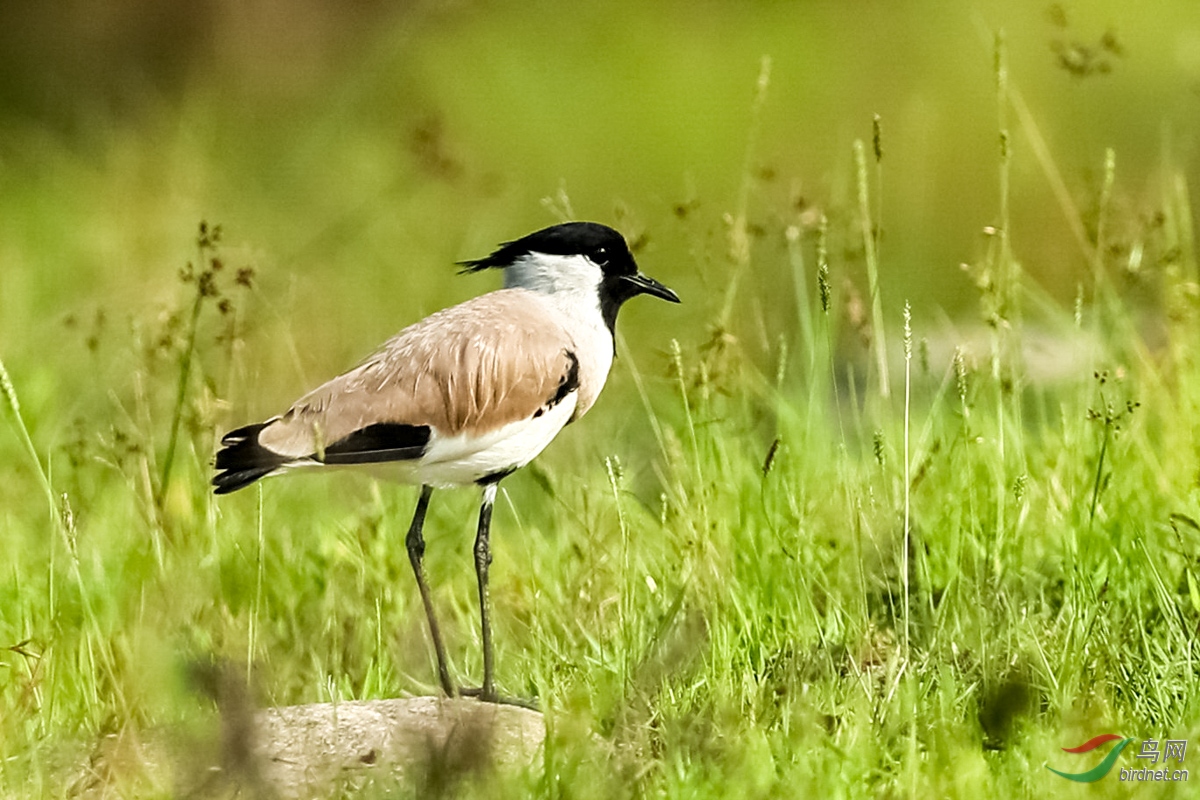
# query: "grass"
{"type": "Point", "coordinates": [754, 570]}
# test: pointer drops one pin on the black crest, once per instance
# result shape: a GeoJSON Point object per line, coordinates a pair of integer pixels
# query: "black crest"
{"type": "Point", "coordinates": [604, 246]}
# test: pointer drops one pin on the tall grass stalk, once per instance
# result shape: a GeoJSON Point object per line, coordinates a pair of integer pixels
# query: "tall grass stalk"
{"type": "Point", "coordinates": [62, 522]}
{"type": "Point", "coordinates": [628, 358]}
{"type": "Point", "coordinates": [252, 637]}
{"type": "Point", "coordinates": [825, 296]}
{"type": "Point", "coordinates": [14, 408]}
{"type": "Point", "coordinates": [1183, 290]}
{"type": "Point", "coordinates": [18, 420]}
{"type": "Point", "coordinates": [689, 419]}
{"type": "Point", "coordinates": [1102, 215]}
{"type": "Point", "coordinates": [1005, 322]}
{"type": "Point", "coordinates": [804, 309]}
{"type": "Point", "coordinates": [739, 233]}
{"type": "Point", "coordinates": [907, 549]}
{"type": "Point", "coordinates": [205, 243]}
{"type": "Point", "coordinates": [1041, 151]}
{"type": "Point", "coordinates": [612, 469]}
{"type": "Point", "coordinates": [181, 388]}
{"type": "Point", "coordinates": [870, 251]}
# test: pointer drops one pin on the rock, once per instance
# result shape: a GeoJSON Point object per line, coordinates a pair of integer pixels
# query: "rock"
{"type": "Point", "coordinates": [302, 751]}
{"type": "Point", "coordinates": [320, 750]}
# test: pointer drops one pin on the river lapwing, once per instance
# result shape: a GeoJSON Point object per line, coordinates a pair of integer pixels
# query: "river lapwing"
{"type": "Point", "coordinates": [467, 395]}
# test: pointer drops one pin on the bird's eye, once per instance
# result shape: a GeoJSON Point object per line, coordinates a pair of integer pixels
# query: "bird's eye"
{"type": "Point", "coordinates": [600, 256]}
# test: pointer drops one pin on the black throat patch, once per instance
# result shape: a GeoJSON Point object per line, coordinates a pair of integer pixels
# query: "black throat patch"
{"type": "Point", "coordinates": [613, 293]}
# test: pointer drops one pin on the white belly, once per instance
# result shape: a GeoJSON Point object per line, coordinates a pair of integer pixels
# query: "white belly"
{"type": "Point", "coordinates": [463, 460]}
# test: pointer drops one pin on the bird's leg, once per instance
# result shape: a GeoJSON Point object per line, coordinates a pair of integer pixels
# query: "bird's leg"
{"type": "Point", "coordinates": [415, 543]}
{"type": "Point", "coordinates": [483, 559]}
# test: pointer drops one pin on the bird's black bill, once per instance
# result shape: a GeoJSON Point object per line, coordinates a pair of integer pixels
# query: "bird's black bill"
{"type": "Point", "coordinates": [644, 284]}
{"type": "Point", "coordinates": [616, 289]}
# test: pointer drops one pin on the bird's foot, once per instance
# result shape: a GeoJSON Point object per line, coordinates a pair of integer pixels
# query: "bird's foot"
{"type": "Point", "coordinates": [494, 697]}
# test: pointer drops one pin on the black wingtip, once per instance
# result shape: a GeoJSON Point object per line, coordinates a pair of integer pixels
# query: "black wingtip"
{"type": "Point", "coordinates": [242, 460]}
{"type": "Point", "coordinates": [230, 481]}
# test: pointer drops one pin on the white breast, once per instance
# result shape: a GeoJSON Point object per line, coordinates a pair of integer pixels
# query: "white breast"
{"type": "Point", "coordinates": [569, 287]}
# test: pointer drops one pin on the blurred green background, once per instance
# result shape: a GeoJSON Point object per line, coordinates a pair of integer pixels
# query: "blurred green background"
{"type": "Point", "coordinates": [353, 151]}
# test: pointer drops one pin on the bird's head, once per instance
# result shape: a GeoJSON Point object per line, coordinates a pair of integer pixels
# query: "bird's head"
{"type": "Point", "coordinates": [582, 259]}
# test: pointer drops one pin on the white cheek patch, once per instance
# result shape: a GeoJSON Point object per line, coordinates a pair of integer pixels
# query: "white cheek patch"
{"type": "Point", "coordinates": [555, 275]}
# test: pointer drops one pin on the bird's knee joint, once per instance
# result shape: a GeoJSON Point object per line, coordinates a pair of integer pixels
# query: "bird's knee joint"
{"type": "Point", "coordinates": [416, 548]}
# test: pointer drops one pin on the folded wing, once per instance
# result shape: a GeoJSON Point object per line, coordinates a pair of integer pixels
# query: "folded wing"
{"type": "Point", "coordinates": [467, 370]}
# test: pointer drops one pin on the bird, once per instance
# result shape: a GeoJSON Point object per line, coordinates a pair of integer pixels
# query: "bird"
{"type": "Point", "coordinates": [465, 396]}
